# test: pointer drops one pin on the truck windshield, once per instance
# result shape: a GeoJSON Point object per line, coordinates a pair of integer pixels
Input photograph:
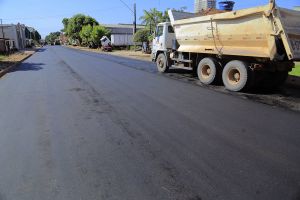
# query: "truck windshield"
{"type": "Point", "coordinates": [159, 31]}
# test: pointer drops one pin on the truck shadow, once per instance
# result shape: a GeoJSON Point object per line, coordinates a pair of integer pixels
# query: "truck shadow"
{"type": "Point", "coordinates": [41, 50]}
{"type": "Point", "coordinates": [270, 95]}
{"type": "Point", "coordinates": [182, 71]}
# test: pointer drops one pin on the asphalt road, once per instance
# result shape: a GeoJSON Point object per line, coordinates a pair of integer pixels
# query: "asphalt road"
{"type": "Point", "coordinates": [85, 126]}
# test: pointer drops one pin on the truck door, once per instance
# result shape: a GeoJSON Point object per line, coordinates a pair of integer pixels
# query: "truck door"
{"type": "Point", "coordinates": [170, 36]}
{"type": "Point", "coordinates": [159, 40]}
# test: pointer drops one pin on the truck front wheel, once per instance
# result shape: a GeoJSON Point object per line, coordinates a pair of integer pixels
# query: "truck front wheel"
{"type": "Point", "coordinates": [208, 71]}
{"type": "Point", "coordinates": [161, 63]}
{"type": "Point", "coordinates": [236, 76]}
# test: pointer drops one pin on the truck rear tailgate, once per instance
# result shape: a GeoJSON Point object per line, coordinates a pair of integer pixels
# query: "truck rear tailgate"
{"type": "Point", "coordinates": [290, 22]}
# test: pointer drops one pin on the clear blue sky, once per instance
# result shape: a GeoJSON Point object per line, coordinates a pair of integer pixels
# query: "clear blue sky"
{"type": "Point", "coordinates": [45, 17]}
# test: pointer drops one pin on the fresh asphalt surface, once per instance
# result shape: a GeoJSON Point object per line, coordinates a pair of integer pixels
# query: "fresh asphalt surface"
{"type": "Point", "coordinates": [85, 126]}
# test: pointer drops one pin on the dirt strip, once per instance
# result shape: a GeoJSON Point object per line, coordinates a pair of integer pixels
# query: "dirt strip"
{"type": "Point", "coordinates": [11, 61]}
{"type": "Point", "coordinates": [124, 53]}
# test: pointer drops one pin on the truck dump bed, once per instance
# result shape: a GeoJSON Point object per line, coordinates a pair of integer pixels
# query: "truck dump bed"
{"type": "Point", "coordinates": [259, 32]}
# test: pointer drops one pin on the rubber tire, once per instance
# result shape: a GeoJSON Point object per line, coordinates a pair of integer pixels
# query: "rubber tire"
{"type": "Point", "coordinates": [243, 69]}
{"type": "Point", "coordinates": [162, 58]}
{"type": "Point", "coordinates": [213, 65]}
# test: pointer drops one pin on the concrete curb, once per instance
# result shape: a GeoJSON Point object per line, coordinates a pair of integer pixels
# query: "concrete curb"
{"type": "Point", "coordinates": [293, 81]}
{"type": "Point", "coordinates": [8, 69]}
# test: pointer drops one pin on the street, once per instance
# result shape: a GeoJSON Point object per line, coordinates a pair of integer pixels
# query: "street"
{"type": "Point", "coordinates": [84, 126]}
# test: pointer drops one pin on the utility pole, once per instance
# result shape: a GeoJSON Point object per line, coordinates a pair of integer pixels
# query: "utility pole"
{"type": "Point", "coordinates": [134, 21]}
{"type": "Point", "coordinates": [134, 13]}
{"type": "Point", "coordinates": [2, 29]}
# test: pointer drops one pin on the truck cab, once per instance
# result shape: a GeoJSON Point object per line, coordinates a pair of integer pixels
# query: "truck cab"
{"type": "Point", "coordinates": [163, 40]}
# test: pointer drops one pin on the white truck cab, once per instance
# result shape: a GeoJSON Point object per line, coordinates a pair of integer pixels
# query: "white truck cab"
{"type": "Point", "coordinates": [164, 36]}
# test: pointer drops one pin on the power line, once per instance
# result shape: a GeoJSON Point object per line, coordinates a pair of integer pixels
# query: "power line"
{"type": "Point", "coordinates": [127, 6]}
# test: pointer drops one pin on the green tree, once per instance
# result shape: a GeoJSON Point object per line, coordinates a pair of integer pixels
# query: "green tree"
{"type": "Point", "coordinates": [65, 22]}
{"type": "Point", "coordinates": [141, 35]}
{"type": "Point", "coordinates": [86, 34]}
{"type": "Point", "coordinates": [75, 24]}
{"type": "Point", "coordinates": [151, 18]}
{"type": "Point", "coordinates": [52, 37]}
{"type": "Point", "coordinates": [97, 33]}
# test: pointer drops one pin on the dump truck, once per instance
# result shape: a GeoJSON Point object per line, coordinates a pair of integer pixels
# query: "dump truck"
{"type": "Point", "coordinates": [242, 49]}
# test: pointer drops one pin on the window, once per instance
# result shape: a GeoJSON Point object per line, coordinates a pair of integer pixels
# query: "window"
{"type": "Point", "coordinates": [159, 31]}
{"type": "Point", "coordinates": [170, 29]}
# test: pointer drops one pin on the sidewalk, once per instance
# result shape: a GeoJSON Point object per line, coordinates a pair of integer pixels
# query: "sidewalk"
{"type": "Point", "coordinates": [9, 62]}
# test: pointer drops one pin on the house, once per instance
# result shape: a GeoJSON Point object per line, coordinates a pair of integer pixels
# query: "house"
{"type": "Point", "coordinates": [4, 45]}
{"type": "Point", "coordinates": [15, 33]}
{"type": "Point", "coordinates": [122, 34]}
{"type": "Point", "coordinates": [30, 36]}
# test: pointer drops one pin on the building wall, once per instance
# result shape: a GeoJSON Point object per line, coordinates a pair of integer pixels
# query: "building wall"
{"type": "Point", "coordinates": [122, 34]}
{"type": "Point", "coordinates": [203, 5]}
{"type": "Point", "coordinates": [21, 36]}
{"type": "Point", "coordinates": [121, 40]}
{"type": "Point", "coordinates": [15, 33]}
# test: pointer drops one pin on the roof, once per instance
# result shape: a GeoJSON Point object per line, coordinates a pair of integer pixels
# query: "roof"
{"type": "Point", "coordinates": [122, 25]}
{"type": "Point", "coordinates": [30, 29]}
{"type": "Point", "coordinates": [7, 25]}
{"type": "Point", "coordinates": [122, 28]}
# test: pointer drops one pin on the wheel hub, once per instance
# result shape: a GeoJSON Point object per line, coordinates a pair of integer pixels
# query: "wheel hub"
{"type": "Point", "coordinates": [161, 63]}
{"type": "Point", "coordinates": [206, 71]}
{"type": "Point", "coordinates": [234, 76]}
{"type": "Point", "coordinates": [237, 77]}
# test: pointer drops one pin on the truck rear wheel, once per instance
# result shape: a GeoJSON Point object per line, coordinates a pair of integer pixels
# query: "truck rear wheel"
{"type": "Point", "coordinates": [208, 71]}
{"type": "Point", "coordinates": [236, 76]}
{"type": "Point", "coordinates": [161, 63]}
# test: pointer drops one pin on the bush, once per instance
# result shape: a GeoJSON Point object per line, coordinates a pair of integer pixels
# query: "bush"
{"type": "Point", "coordinates": [141, 35]}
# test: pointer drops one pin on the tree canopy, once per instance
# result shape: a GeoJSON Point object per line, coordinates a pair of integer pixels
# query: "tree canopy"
{"type": "Point", "coordinates": [97, 33]}
{"type": "Point", "coordinates": [52, 37]}
{"type": "Point", "coordinates": [86, 34]}
{"type": "Point", "coordinates": [65, 22]}
{"type": "Point", "coordinates": [74, 25]}
{"type": "Point", "coordinates": [153, 16]}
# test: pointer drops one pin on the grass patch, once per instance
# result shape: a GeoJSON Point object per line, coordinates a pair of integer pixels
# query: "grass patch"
{"type": "Point", "coordinates": [296, 70]}
{"type": "Point", "coordinates": [2, 57]}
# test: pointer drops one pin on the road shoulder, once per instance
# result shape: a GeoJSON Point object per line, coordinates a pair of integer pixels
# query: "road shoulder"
{"type": "Point", "coordinates": [10, 62]}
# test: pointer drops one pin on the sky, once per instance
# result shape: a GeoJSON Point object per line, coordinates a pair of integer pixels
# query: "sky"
{"type": "Point", "coordinates": [46, 15]}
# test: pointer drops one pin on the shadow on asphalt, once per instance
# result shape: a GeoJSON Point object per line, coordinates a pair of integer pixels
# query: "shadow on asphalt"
{"type": "Point", "coordinates": [285, 96]}
{"type": "Point", "coordinates": [28, 67]}
{"type": "Point", "coordinates": [41, 50]}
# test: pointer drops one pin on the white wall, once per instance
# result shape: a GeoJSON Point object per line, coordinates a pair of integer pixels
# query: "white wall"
{"type": "Point", "coordinates": [121, 40]}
